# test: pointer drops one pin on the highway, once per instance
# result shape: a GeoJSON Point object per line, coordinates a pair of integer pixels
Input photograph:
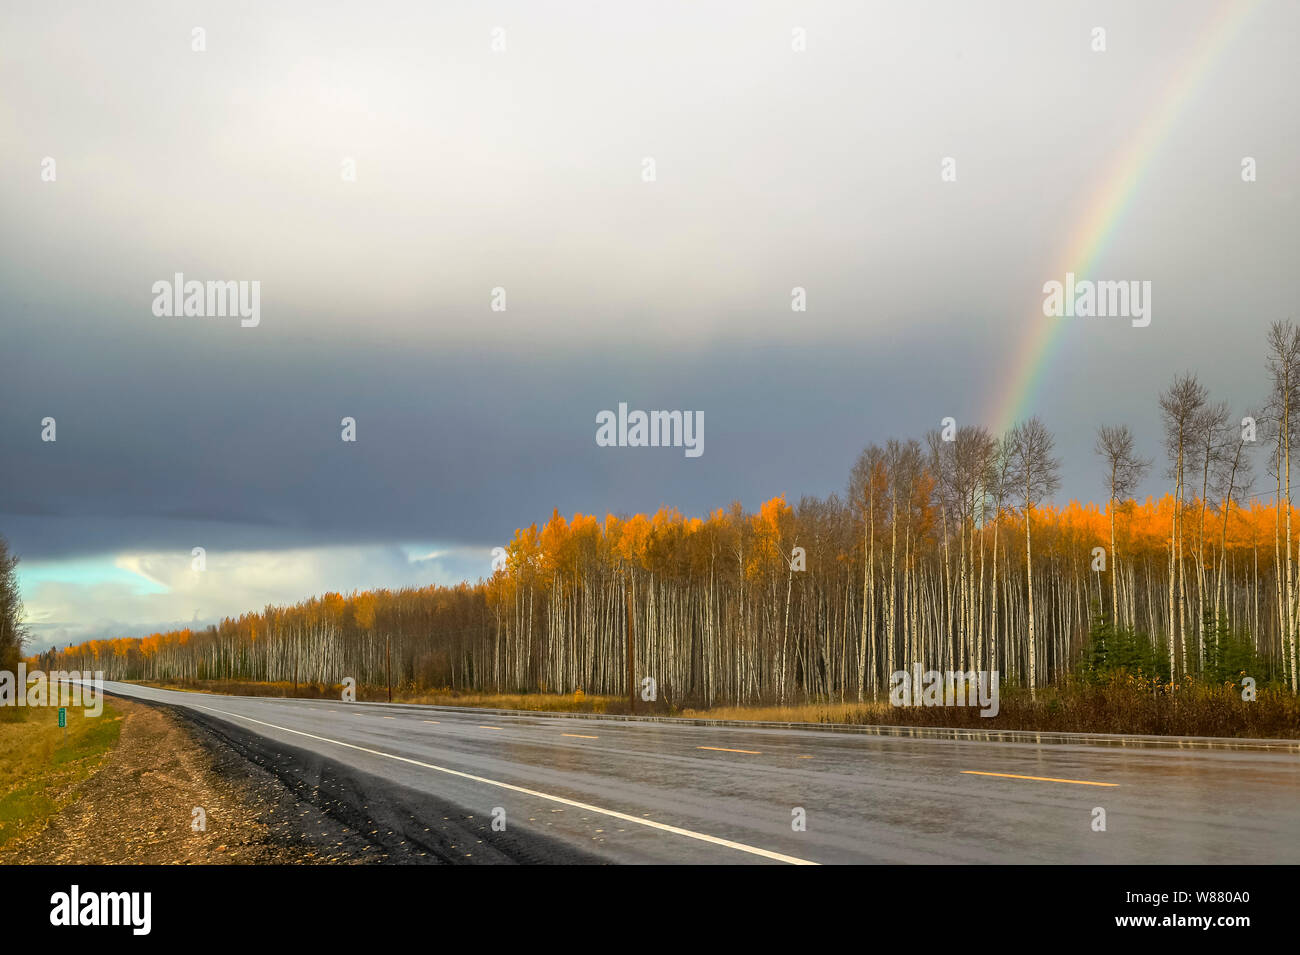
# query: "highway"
{"type": "Point", "coordinates": [624, 791]}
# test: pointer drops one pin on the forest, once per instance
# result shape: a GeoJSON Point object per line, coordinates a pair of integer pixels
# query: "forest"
{"type": "Point", "coordinates": [945, 550]}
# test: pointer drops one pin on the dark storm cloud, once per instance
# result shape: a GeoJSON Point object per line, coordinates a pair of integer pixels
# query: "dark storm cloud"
{"type": "Point", "coordinates": [241, 446]}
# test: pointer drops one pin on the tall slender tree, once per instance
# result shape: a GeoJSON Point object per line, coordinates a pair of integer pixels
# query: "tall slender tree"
{"type": "Point", "coordinates": [1124, 471]}
{"type": "Point", "coordinates": [1036, 474]}
{"type": "Point", "coordinates": [12, 629]}
{"type": "Point", "coordinates": [1284, 369]}
{"type": "Point", "coordinates": [1180, 405]}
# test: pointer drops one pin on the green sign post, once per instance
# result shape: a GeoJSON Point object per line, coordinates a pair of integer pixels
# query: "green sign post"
{"type": "Point", "coordinates": [63, 719]}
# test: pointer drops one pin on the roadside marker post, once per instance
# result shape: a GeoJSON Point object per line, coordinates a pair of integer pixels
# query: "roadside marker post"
{"type": "Point", "coordinates": [63, 720]}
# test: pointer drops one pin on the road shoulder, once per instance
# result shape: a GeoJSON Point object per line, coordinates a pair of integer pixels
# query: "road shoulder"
{"type": "Point", "coordinates": [167, 795]}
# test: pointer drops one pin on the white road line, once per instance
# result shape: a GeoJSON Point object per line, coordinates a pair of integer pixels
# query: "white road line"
{"type": "Point", "coordinates": [676, 830]}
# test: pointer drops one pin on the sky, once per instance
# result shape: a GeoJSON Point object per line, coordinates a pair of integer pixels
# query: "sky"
{"type": "Point", "coordinates": [504, 146]}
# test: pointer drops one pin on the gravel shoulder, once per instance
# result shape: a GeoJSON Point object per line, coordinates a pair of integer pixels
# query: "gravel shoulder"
{"type": "Point", "coordinates": [262, 803]}
{"type": "Point", "coordinates": [139, 808]}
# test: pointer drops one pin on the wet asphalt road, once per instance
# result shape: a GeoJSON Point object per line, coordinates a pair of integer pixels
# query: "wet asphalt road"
{"type": "Point", "coordinates": [655, 792]}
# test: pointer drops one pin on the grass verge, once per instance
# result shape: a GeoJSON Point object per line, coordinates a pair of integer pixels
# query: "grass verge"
{"type": "Point", "coordinates": [41, 764]}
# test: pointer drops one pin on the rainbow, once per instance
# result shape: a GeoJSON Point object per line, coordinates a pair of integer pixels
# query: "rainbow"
{"type": "Point", "coordinates": [1106, 211]}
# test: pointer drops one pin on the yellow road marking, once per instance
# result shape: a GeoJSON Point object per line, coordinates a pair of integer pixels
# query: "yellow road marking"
{"type": "Point", "coordinates": [803, 757]}
{"type": "Point", "coordinates": [390, 717]}
{"type": "Point", "coordinates": [1041, 779]}
{"type": "Point", "coordinates": [720, 749]}
{"type": "Point", "coordinates": [579, 736]}
{"type": "Point", "coordinates": [431, 721]}
{"type": "Point", "coordinates": [489, 727]}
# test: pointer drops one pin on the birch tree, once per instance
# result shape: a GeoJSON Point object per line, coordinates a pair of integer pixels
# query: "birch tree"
{"type": "Point", "coordinates": [1284, 370]}
{"type": "Point", "coordinates": [1124, 471]}
{"type": "Point", "coordinates": [1035, 473]}
{"type": "Point", "coordinates": [1179, 406]}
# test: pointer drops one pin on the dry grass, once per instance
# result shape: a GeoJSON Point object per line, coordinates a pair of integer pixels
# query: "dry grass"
{"type": "Point", "coordinates": [857, 713]}
{"type": "Point", "coordinates": [552, 702]}
{"type": "Point", "coordinates": [549, 702]}
{"type": "Point", "coordinates": [1126, 705]}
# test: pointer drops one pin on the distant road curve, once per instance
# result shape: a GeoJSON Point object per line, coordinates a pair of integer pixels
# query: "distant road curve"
{"type": "Point", "coordinates": [636, 791]}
